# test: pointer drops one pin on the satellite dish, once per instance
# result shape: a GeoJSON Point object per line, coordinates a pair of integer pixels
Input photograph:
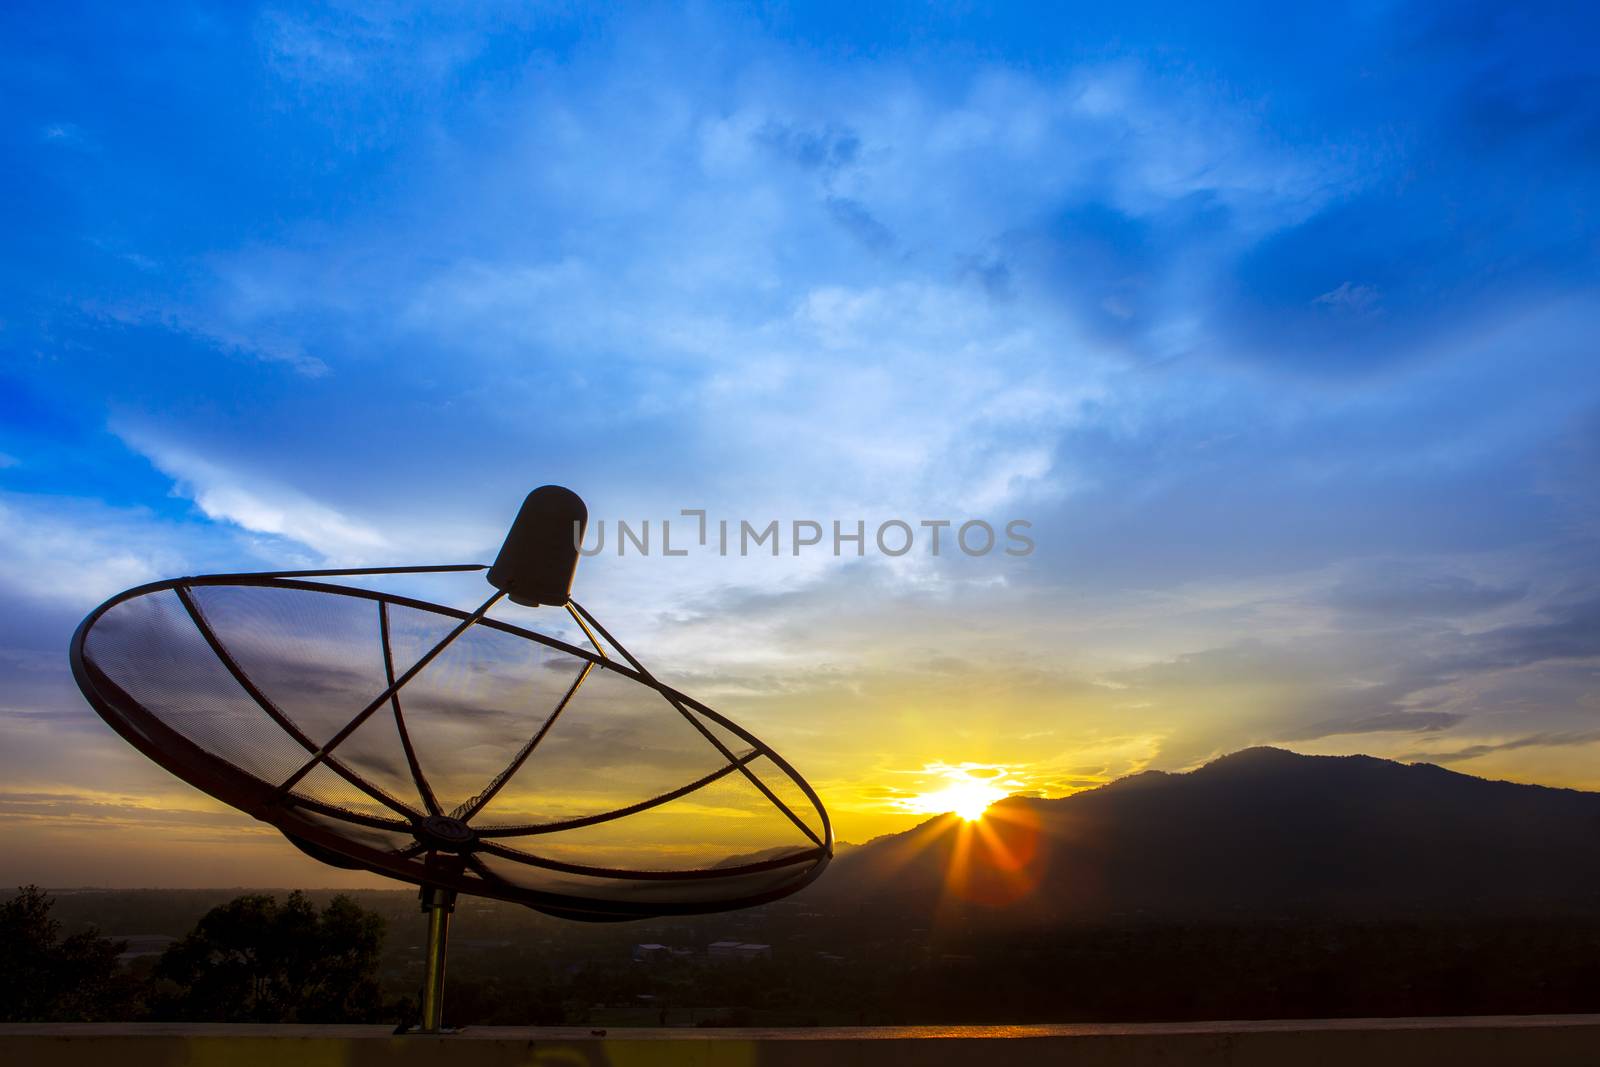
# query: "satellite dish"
{"type": "Point", "coordinates": [453, 750]}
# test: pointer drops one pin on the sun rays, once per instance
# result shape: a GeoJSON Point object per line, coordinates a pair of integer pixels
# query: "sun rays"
{"type": "Point", "coordinates": [991, 852]}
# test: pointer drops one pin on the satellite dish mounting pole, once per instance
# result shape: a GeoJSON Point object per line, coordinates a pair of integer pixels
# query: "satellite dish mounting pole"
{"type": "Point", "coordinates": [438, 904]}
{"type": "Point", "coordinates": [535, 566]}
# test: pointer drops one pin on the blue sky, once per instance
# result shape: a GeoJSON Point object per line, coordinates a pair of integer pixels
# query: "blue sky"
{"type": "Point", "coordinates": [1277, 326]}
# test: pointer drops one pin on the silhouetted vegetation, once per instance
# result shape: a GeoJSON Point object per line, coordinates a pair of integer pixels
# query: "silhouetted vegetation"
{"type": "Point", "coordinates": [45, 977]}
{"type": "Point", "coordinates": [254, 960]}
{"type": "Point", "coordinates": [249, 960]}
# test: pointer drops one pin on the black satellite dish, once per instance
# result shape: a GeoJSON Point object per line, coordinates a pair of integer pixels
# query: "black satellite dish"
{"type": "Point", "coordinates": [452, 750]}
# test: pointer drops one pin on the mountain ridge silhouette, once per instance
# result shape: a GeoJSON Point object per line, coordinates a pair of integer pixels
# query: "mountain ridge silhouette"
{"type": "Point", "coordinates": [1259, 833]}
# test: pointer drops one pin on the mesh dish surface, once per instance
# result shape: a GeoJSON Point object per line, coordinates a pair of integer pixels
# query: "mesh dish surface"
{"type": "Point", "coordinates": [512, 765]}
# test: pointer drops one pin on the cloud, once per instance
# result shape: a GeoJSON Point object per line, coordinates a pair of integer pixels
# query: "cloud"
{"type": "Point", "coordinates": [127, 813]}
{"type": "Point", "coordinates": [244, 339]}
{"type": "Point", "coordinates": [67, 135]}
{"type": "Point", "coordinates": [1397, 242]}
{"type": "Point", "coordinates": [860, 223]}
{"type": "Point", "coordinates": [1350, 299]}
{"type": "Point", "coordinates": [827, 149]}
{"type": "Point", "coordinates": [1576, 738]}
{"type": "Point", "coordinates": [261, 506]}
{"type": "Point", "coordinates": [60, 550]}
{"type": "Point", "coordinates": [1383, 722]}
{"type": "Point", "coordinates": [1396, 591]}
{"type": "Point", "coordinates": [1567, 630]}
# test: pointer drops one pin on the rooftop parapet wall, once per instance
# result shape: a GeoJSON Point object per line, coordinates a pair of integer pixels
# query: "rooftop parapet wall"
{"type": "Point", "coordinates": [1528, 1041]}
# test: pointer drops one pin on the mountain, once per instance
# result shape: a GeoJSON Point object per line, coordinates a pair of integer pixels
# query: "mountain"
{"type": "Point", "coordinates": [1259, 834]}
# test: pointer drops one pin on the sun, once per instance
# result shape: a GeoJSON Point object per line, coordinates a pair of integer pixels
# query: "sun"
{"type": "Point", "coordinates": [968, 798]}
{"type": "Point", "coordinates": [963, 789]}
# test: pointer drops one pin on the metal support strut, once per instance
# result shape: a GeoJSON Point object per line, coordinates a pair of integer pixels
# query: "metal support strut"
{"type": "Point", "coordinates": [438, 903]}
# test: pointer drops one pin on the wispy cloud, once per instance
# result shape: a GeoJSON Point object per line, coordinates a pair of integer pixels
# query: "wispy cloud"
{"type": "Point", "coordinates": [1540, 740]}
{"type": "Point", "coordinates": [238, 340]}
{"type": "Point", "coordinates": [78, 552]}
{"type": "Point", "coordinates": [262, 506]}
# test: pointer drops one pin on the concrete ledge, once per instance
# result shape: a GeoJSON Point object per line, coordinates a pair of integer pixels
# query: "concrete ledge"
{"type": "Point", "coordinates": [1525, 1041]}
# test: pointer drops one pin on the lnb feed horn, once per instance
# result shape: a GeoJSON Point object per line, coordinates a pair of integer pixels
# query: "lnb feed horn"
{"type": "Point", "coordinates": [537, 562]}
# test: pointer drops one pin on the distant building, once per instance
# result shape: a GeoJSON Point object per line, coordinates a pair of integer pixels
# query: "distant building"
{"type": "Point", "coordinates": [738, 950]}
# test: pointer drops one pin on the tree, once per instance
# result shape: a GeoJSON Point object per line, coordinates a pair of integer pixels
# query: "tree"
{"type": "Point", "coordinates": [254, 960]}
{"type": "Point", "coordinates": [45, 978]}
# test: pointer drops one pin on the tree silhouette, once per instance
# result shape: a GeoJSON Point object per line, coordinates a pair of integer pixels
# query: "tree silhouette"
{"type": "Point", "coordinates": [254, 960]}
{"type": "Point", "coordinates": [44, 978]}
